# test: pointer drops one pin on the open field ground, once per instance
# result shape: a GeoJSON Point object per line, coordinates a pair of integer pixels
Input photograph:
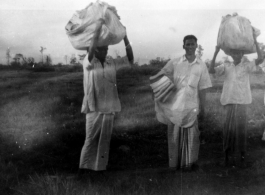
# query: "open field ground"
{"type": "Point", "coordinates": [42, 132]}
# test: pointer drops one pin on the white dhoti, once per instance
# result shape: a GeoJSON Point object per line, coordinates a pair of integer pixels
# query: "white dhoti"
{"type": "Point", "coordinates": [183, 145]}
{"type": "Point", "coordinates": [95, 152]}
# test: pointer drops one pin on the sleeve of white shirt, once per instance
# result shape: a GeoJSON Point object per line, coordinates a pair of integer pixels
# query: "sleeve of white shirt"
{"type": "Point", "coordinates": [205, 80]}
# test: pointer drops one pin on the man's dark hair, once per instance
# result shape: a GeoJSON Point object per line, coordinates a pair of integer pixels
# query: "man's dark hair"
{"type": "Point", "coordinates": [189, 37]}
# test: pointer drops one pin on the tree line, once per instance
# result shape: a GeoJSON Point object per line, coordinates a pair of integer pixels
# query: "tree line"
{"type": "Point", "coordinates": [19, 60]}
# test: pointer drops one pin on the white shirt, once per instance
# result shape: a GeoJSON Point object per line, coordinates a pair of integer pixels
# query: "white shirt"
{"type": "Point", "coordinates": [236, 87]}
{"type": "Point", "coordinates": [100, 87]}
{"type": "Point", "coordinates": [188, 78]}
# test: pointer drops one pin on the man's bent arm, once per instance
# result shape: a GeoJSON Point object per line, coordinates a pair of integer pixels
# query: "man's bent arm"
{"type": "Point", "coordinates": [260, 58]}
{"type": "Point", "coordinates": [128, 48]}
{"type": "Point", "coordinates": [212, 70]}
{"type": "Point", "coordinates": [94, 41]}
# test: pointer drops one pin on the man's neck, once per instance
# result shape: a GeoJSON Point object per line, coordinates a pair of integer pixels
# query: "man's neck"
{"type": "Point", "coordinates": [236, 62]}
{"type": "Point", "coordinates": [102, 61]}
{"type": "Point", "coordinates": [190, 58]}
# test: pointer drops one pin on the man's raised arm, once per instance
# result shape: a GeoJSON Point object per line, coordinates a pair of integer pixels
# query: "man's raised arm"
{"type": "Point", "coordinates": [93, 45]}
{"type": "Point", "coordinates": [260, 58]}
{"type": "Point", "coordinates": [212, 70]}
{"type": "Point", "coordinates": [128, 48]}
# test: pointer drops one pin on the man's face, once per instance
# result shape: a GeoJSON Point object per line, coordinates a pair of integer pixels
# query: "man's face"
{"type": "Point", "coordinates": [190, 46]}
{"type": "Point", "coordinates": [236, 55]}
{"type": "Point", "coordinates": [101, 52]}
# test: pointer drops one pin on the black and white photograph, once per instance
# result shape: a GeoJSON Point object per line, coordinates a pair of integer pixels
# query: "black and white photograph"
{"type": "Point", "coordinates": [119, 97]}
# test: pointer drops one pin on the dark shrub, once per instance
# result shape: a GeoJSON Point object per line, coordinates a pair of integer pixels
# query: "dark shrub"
{"type": "Point", "coordinates": [43, 69]}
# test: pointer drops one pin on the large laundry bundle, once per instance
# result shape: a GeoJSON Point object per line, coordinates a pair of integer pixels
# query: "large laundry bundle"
{"type": "Point", "coordinates": [236, 32]}
{"type": "Point", "coordinates": [169, 103]}
{"type": "Point", "coordinates": [81, 27]}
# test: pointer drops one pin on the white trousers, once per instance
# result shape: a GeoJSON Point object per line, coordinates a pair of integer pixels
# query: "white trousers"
{"type": "Point", "coordinates": [95, 152]}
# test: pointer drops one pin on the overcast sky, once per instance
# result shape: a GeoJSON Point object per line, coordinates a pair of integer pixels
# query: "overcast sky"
{"type": "Point", "coordinates": [155, 27]}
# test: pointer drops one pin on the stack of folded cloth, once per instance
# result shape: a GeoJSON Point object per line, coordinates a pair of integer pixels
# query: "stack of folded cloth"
{"type": "Point", "coordinates": [162, 87]}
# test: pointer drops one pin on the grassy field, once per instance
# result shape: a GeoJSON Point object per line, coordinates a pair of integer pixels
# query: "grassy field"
{"type": "Point", "coordinates": [42, 133]}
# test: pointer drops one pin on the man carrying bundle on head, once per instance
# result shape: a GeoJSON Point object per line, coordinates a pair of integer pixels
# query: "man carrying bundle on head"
{"type": "Point", "coordinates": [179, 93]}
{"type": "Point", "coordinates": [89, 30]}
{"type": "Point", "coordinates": [236, 37]}
{"type": "Point", "coordinates": [100, 102]}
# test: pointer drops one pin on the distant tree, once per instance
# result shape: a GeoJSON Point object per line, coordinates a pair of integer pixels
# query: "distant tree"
{"type": "Point", "coordinates": [158, 61]}
{"type": "Point", "coordinates": [48, 60]}
{"type": "Point", "coordinates": [8, 55]}
{"type": "Point", "coordinates": [155, 61]}
{"type": "Point", "coordinates": [30, 61]}
{"type": "Point", "coordinates": [15, 62]}
{"type": "Point", "coordinates": [73, 59]}
{"type": "Point", "coordinates": [42, 50]}
{"type": "Point", "coordinates": [20, 60]}
{"type": "Point", "coordinates": [199, 51]}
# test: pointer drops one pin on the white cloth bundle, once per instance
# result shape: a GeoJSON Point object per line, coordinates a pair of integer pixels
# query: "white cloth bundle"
{"type": "Point", "coordinates": [236, 32]}
{"type": "Point", "coordinates": [169, 104]}
{"type": "Point", "coordinates": [81, 27]}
